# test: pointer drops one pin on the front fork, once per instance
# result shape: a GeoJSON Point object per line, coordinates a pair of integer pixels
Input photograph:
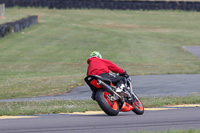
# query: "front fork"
{"type": "Point", "coordinates": [133, 96]}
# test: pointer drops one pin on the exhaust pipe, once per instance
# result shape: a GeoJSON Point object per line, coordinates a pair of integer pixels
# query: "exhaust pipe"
{"type": "Point", "coordinates": [108, 88]}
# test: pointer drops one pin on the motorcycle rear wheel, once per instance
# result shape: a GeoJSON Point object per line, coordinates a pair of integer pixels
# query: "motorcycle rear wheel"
{"type": "Point", "coordinates": [138, 106]}
{"type": "Point", "coordinates": [111, 108]}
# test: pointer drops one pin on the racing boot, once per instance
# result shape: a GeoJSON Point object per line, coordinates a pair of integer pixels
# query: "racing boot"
{"type": "Point", "coordinates": [93, 96]}
{"type": "Point", "coordinates": [120, 89]}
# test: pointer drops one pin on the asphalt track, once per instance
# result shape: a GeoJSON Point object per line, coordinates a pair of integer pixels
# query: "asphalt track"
{"type": "Point", "coordinates": [181, 118]}
{"type": "Point", "coordinates": [195, 50]}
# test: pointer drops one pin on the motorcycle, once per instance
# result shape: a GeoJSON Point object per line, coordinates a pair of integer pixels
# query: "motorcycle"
{"type": "Point", "coordinates": [112, 102]}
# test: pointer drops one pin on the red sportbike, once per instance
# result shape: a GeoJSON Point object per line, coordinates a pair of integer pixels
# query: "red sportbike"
{"type": "Point", "coordinates": [112, 102]}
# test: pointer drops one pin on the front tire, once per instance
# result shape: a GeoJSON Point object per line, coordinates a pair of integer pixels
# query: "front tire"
{"type": "Point", "coordinates": [138, 106]}
{"type": "Point", "coordinates": [111, 108]}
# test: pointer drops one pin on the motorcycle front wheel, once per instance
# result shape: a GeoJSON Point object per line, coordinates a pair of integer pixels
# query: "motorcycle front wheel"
{"type": "Point", "coordinates": [111, 108]}
{"type": "Point", "coordinates": [138, 106]}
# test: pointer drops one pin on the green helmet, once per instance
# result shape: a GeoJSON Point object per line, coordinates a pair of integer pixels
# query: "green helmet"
{"type": "Point", "coordinates": [97, 54]}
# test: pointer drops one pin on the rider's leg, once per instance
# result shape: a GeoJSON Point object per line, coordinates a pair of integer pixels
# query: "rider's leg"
{"type": "Point", "coordinates": [118, 81]}
{"type": "Point", "coordinates": [115, 79]}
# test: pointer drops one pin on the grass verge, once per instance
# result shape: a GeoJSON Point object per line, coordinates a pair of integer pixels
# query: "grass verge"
{"type": "Point", "coordinates": [49, 107]}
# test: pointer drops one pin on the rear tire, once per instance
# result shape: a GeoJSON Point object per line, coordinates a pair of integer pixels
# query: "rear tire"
{"type": "Point", "coordinates": [111, 108]}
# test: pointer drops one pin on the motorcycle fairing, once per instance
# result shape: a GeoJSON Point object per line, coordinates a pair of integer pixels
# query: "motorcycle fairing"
{"type": "Point", "coordinates": [126, 107]}
{"type": "Point", "coordinates": [91, 80]}
{"type": "Point", "coordinates": [94, 83]}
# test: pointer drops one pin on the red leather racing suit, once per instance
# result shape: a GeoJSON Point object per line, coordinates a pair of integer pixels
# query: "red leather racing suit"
{"type": "Point", "coordinates": [97, 66]}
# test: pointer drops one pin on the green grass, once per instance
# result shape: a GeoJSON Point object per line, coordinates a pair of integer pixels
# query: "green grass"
{"type": "Point", "coordinates": [170, 100]}
{"type": "Point", "coordinates": [50, 57]}
{"type": "Point", "coordinates": [46, 107]}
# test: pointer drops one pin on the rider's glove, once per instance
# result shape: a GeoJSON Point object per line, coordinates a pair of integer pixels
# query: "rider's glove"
{"type": "Point", "coordinates": [124, 73]}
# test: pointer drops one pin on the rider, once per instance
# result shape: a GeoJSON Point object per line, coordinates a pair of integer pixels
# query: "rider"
{"type": "Point", "coordinates": [101, 67]}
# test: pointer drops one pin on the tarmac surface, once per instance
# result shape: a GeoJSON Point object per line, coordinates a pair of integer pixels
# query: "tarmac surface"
{"type": "Point", "coordinates": [143, 86]}
{"type": "Point", "coordinates": [195, 50]}
{"type": "Point", "coordinates": [160, 120]}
